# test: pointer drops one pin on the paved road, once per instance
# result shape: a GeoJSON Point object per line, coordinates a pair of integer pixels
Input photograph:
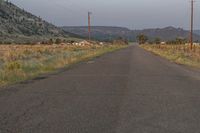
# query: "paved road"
{"type": "Point", "coordinates": [129, 91]}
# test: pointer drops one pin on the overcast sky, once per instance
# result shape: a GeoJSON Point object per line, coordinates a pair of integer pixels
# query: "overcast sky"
{"type": "Point", "coordinates": [134, 14]}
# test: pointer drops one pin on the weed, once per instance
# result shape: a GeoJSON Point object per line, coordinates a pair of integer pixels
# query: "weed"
{"type": "Point", "coordinates": [21, 62]}
{"type": "Point", "coordinates": [180, 54]}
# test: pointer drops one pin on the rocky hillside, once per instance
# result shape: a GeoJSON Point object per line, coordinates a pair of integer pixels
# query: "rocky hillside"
{"type": "Point", "coordinates": [17, 25]}
{"type": "Point", "coordinates": [109, 33]}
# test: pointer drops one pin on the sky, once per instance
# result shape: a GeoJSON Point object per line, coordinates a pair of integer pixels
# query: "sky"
{"type": "Point", "coordinates": [133, 14]}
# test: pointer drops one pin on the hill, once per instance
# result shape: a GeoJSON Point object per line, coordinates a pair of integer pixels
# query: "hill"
{"type": "Point", "coordinates": [17, 25]}
{"type": "Point", "coordinates": [108, 33]}
{"type": "Point", "coordinates": [197, 32]}
{"type": "Point", "coordinates": [102, 33]}
{"type": "Point", "coordinates": [167, 33]}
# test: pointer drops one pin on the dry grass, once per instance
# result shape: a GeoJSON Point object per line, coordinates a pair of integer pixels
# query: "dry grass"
{"type": "Point", "coordinates": [180, 54]}
{"type": "Point", "coordinates": [21, 62]}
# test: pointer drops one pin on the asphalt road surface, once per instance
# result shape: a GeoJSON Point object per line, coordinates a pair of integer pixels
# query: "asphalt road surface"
{"type": "Point", "coordinates": [128, 91]}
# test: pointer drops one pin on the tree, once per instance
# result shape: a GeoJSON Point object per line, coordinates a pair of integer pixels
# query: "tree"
{"type": "Point", "coordinates": [58, 41]}
{"type": "Point", "coordinates": [50, 41]}
{"type": "Point", "coordinates": [1, 1]}
{"type": "Point", "coordinates": [157, 41]}
{"type": "Point", "coordinates": [181, 41]}
{"type": "Point", "coordinates": [142, 38]}
{"type": "Point", "coordinates": [120, 40]}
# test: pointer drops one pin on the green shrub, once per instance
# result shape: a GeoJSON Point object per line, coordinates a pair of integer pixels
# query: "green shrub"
{"type": "Point", "coordinates": [50, 41]}
{"type": "Point", "coordinates": [58, 41]}
{"type": "Point", "coordinates": [13, 66]}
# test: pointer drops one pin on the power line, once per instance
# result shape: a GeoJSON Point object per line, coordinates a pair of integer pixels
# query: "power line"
{"type": "Point", "coordinates": [75, 5]}
{"type": "Point", "coordinates": [67, 7]}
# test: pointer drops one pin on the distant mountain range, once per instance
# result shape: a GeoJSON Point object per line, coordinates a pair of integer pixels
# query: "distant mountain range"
{"type": "Point", "coordinates": [108, 33]}
{"type": "Point", "coordinates": [17, 25]}
{"type": "Point", "coordinates": [102, 33]}
{"type": "Point", "coordinates": [197, 32]}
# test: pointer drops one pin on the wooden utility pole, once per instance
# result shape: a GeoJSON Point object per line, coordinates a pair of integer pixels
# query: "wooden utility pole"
{"type": "Point", "coordinates": [89, 26]}
{"type": "Point", "coordinates": [192, 21]}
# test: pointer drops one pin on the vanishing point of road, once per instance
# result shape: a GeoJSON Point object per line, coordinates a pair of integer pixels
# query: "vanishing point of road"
{"type": "Point", "coordinates": [128, 91]}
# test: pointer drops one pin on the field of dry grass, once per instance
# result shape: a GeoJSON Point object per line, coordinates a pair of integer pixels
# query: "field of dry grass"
{"type": "Point", "coordinates": [21, 62]}
{"type": "Point", "coordinates": [180, 54]}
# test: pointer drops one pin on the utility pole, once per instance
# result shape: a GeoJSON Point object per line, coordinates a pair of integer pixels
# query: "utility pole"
{"type": "Point", "coordinates": [89, 26]}
{"type": "Point", "coordinates": [192, 22]}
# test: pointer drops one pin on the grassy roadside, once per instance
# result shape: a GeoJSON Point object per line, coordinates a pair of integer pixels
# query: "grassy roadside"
{"type": "Point", "coordinates": [179, 54]}
{"type": "Point", "coordinates": [22, 62]}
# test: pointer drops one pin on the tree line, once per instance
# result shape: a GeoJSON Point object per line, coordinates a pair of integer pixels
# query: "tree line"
{"type": "Point", "coordinates": [143, 39]}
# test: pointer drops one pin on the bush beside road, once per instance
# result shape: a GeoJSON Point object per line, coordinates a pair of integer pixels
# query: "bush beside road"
{"type": "Point", "coordinates": [22, 62]}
